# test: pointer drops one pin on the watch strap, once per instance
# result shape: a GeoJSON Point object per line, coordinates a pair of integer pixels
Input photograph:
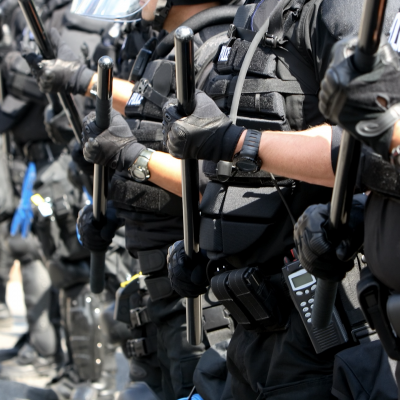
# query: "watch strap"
{"type": "Point", "coordinates": [395, 157]}
{"type": "Point", "coordinates": [141, 163]}
{"type": "Point", "coordinates": [251, 144]}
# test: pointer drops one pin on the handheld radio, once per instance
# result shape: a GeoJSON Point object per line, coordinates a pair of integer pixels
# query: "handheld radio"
{"type": "Point", "coordinates": [302, 285]}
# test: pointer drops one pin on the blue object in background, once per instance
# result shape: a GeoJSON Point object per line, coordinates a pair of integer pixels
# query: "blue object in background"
{"type": "Point", "coordinates": [22, 219]}
{"type": "Point", "coordinates": [193, 397]}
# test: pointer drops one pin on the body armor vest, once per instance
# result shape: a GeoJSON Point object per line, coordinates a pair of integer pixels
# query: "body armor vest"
{"type": "Point", "coordinates": [144, 108]}
{"type": "Point", "coordinates": [244, 220]}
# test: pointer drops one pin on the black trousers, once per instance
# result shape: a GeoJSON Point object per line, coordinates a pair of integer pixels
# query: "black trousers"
{"type": "Point", "coordinates": [279, 365]}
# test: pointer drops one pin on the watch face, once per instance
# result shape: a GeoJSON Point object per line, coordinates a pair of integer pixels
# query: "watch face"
{"type": "Point", "coordinates": [246, 165]}
{"type": "Point", "coordinates": [139, 174]}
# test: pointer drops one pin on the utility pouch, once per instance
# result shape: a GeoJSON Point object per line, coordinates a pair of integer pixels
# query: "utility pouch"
{"type": "Point", "coordinates": [380, 311]}
{"type": "Point", "coordinates": [153, 262]}
{"type": "Point", "coordinates": [252, 300]}
{"type": "Point", "coordinates": [152, 91]}
{"type": "Point", "coordinates": [142, 60]}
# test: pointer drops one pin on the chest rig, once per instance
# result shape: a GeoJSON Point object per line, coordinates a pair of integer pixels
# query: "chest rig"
{"type": "Point", "coordinates": [247, 209]}
{"type": "Point", "coordinates": [144, 112]}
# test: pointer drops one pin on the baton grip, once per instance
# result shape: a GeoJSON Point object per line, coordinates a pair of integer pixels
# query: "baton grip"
{"type": "Point", "coordinates": [97, 271]}
{"type": "Point", "coordinates": [349, 155]}
{"type": "Point", "coordinates": [185, 93]}
{"type": "Point", "coordinates": [100, 176]}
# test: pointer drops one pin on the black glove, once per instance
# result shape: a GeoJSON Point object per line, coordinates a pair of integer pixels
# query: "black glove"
{"type": "Point", "coordinates": [66, 72]}
{"type": "Point", "coordinates": [350, 99]}
{"type": "Point", "coordinates": [116, 147]}
{"type": "Point", "coordinates": [207, 134]}
{"type": "Point", "coordinates": [317, 254]}
{"type": "Point", "coordinates": [93, 238]}
{"type": "Point", "coordinates": [188, 277]}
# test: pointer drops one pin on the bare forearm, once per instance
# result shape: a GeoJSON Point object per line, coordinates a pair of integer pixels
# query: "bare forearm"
{"type": "Point", "coordinates": [304, 155]}
{"type": "Point", "coordinates": [396, 136]}
{"type": "Point", "coordinates": [122, 91]}
{"type": "Point", "coordinates": [165, 172]}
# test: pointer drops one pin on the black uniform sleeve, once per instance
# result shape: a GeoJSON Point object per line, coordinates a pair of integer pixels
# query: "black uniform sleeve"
{"type": "Point", "coordinates": [323, 23]}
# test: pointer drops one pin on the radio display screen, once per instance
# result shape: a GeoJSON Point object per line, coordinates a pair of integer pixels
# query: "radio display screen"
{"type": "Point", "coordinates": [302, 279]}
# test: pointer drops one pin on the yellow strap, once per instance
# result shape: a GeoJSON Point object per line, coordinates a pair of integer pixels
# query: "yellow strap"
{"type": "Point", "coordinates": [37, 199]}
{"type": "Point", "coordinates": [126, 283]}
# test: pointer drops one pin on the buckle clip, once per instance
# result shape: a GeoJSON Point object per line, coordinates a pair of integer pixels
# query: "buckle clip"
{"type": "Point", "coordinates": [269, 40]}
{"type": "Point", "coordinates": [231, 31]}
{"type": "Point", "coordinates": [224, 170]}
{"type": "Point", "coordinates": [138, 316]}
{"type": "Point", "coordinates": [143, 85]}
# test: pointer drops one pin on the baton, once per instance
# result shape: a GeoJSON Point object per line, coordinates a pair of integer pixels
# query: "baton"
{"type": "Point", "coordinates": [36, 26]}
{"type": "Point", "coordinates": [100, 177]}
{"type": "Point", "coordinates": [185, 93]}
{"type": "Point", "coordinates": [349, 156]}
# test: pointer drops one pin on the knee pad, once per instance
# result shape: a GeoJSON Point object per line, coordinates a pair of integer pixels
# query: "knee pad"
{"type": "Point", "coordinates": [66, 274]}
{"type": "Point", "coordinates": [84, 334]}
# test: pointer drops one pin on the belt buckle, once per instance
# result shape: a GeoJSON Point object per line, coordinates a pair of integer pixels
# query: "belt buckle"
{"type": "Point", "coordinates": [135, 315]}
{"type": "Point", "coordinates": [143, 85]}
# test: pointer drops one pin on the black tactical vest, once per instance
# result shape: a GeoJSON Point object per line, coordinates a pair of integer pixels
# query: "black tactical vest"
{"type": "Point", "coordinates": [244, 220]}
{"type": "Point", "coordinates": [144, 112]}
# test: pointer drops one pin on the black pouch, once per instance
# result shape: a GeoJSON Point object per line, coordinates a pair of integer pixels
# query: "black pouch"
{"type": "Point", "coordinates": [252, 300]}
{"type": "Point", "coordinates": [152, 91]}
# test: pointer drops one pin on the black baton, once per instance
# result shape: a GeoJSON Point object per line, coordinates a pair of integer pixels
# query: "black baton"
{"type": "Point", "coordinates": [100, 177]}
{"type": "Point", "coordinates": [185, 93]}
{"type": "Point", "coordinates": [36, 26]}
{"type": "Point", "coordinates": [349, 156]}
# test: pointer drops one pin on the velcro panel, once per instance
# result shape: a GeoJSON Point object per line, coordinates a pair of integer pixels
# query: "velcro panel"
{"type": "Point", "coordinates": [151, 261]}
{"type": "Point", "coordinates": [159, 288]}
{"type": "Point", "coordinates": [146, 196]}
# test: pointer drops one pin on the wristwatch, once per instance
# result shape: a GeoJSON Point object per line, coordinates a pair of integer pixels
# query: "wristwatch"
{"type": "Point", "coordinates": [395, 157]}
{"type": "Point", "coordinates": [247, 159]}
{"type": "Point", "coordinates": [139, 170]}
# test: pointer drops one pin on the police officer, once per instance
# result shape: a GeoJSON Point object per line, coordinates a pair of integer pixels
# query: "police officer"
{"type": "Point", "coordinates": [220, 140]}
{"type": "Point", "coordinates": [153, 228]}
{"type": "Point", "coordinates": [92, 358]}
{"type": "Point", "coordinates": [356, 104]}
{"type": "Point", "coordinates": [283, 353]}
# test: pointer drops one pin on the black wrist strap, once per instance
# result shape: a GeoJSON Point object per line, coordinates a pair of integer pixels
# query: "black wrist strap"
{"type": "Point", "coordinates": [251, 144]}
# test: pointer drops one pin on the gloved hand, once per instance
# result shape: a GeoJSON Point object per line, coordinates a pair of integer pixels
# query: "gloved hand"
{"type": "Point", "coordinates": [116, 147]}
{"type": "Point", "coordinates": [351, 99]}
{"type": "Point", "coordinates": [66, 72]}
{"type": "Point", "coordinates": [317, 254]}
{"type": "Point", "coordinates": [92, 238]}
{"type": "Point", "coordinates": [22, 219]}
{"type": "Point", "coordinates": [207, 134]}
{"type": "Point", "coordinates": [188, 277]}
